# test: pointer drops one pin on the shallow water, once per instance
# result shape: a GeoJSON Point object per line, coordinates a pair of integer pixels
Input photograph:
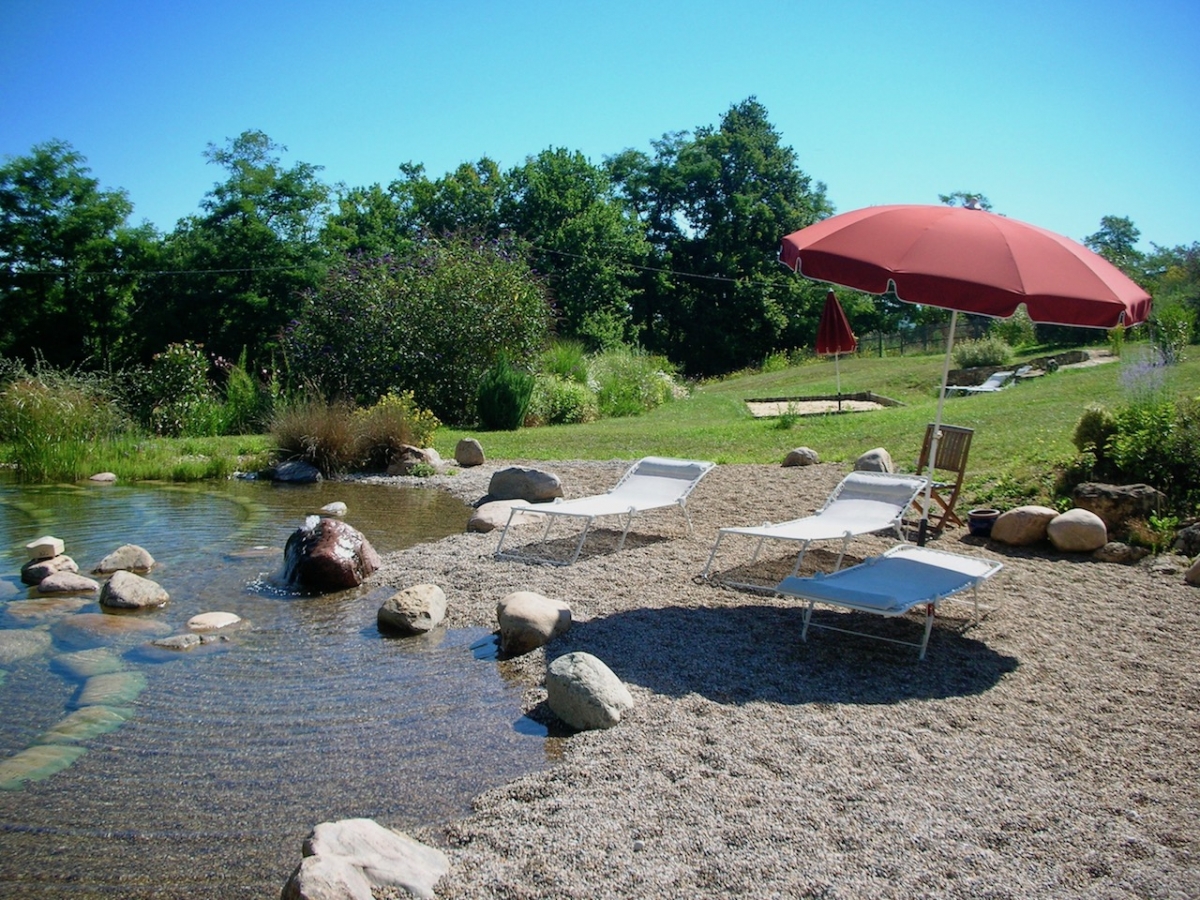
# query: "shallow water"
{"type": "Point", "coordinates": [199, 773]}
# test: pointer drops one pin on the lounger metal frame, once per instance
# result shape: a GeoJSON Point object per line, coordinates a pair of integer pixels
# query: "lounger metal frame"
{"type": "Point", "coordinates": [906, 568]}
{"type": "Point", "coordinates": [623, 500]}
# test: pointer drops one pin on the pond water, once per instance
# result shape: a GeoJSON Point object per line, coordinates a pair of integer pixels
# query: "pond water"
{"type": "Point", "coordinates": [127, 770]}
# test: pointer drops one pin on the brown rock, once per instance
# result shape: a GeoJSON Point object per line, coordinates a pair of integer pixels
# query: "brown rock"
{"type": "Point", "coordinates": [328, 555]}
{"type": "Point", "coordinates": [1077, 531]}
{"type": "Point", "coordinates": [1023, 526]}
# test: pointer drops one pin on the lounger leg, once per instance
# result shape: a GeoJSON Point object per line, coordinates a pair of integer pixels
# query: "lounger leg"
{"type": "Point", "coordinates": [807, 616]}
{"type": "Point", "coordinates": [504, 533]}
{"type": "Point", "coordinates": [628, 522]}
{"type": "Point", "coordinates": [686, 517]}
{"type": "Point", "coordinates": [758, 550]}
{"type": "Point", "coordinates": [799, 557]}
{"type": "Point", "coordinates": [712, 555]}
{"type": "Point", "coordinates": [929, 611]}
{"type": "Point", "coordinates": [582, 537]}
{"type": "Point", "coordinates": [842, 555]}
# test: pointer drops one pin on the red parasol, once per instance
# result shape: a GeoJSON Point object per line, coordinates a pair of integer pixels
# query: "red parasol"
{"type": "Point", "coordinates": [966, 260]}
{"type": "Point", "coordinates": [834, 337]}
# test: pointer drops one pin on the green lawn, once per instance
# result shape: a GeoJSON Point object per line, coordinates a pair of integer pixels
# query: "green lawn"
{"type": "Point", "coordinates": [1022, 434]}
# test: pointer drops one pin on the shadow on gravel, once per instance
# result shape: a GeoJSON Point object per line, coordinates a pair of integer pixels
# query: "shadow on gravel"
{"type": "Point", "coordinates": [753, 652]}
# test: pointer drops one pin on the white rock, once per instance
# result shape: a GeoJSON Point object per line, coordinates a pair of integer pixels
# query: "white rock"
{"type": "Point", "coordinates": [211, 621]}
{"type": "Point", "coordinates": [495, 514]}
{"type": "Point", "coordinates": [337, 509]}
{"type": "Point", "coordinates": [414, 610]}
{"type": "Point", "coordinates": [877, 460]}
{"type": "Point", "coordinates": [585, 693]}
{"type": "Point", "coordinates": [387, 858]}
{"type": "Point", "coordinates": [1077, 531]}
{"type": "Point", "coordinates": [46, 547]}
{"type": "Point", "coordinates": [128, 591]}
{"type": "Point", "coordinates": [528, 620]}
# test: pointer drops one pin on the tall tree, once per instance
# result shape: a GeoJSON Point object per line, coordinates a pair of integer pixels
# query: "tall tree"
{"type": "Point", "coordinates": [235, 273]}
{"type": "Point", "coordinates": [581, 237]}
{"type": "Point", "coordinates": [1117, 241]}
{"type": "Point", "coordinates": [465, 200]}
{"type": "Point", "coordinates": [68, 259]}
{"type": "Point", "coordinates": [716, 205]}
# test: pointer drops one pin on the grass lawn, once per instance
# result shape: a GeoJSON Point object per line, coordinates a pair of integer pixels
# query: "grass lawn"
{"type": "Point", "coordinates": [1022, 434]}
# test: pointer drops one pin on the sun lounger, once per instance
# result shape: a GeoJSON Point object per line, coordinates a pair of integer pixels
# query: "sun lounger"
{"type": "Point", "coordinates": [902, 579]}
{"type": "Point", "coordinates": [651, 483]}
{"type": "Point", "coordinates": [997, 381]}
{"type": "Point", "coordinates": [864, 502]}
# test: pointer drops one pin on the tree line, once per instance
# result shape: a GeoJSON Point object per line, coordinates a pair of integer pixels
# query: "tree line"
{"type": "Point", "coordinates": [672, 249]}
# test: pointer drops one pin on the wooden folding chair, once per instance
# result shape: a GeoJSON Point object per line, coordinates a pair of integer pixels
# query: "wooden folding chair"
{"type": "Point", "coordinates": [953, 448]}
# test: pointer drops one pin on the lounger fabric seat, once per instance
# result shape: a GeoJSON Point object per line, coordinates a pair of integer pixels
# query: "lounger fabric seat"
{"type": "Point", "coordinates": [902, 579]}
{"type": "Point", "coordinates": [863, 503]}
{"type": "Point", "coordinates": [653, 482]}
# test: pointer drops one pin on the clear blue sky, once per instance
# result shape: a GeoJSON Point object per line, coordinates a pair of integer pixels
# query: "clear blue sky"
{"type": "Point", "coordinates": [1059, 111]}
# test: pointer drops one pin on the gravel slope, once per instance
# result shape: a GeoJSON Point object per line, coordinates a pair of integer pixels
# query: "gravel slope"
{"type": "Point", "coordinates": [1049, 751]}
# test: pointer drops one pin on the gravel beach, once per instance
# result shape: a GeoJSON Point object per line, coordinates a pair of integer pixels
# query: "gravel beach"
{"type": "Point", "coordinates": [1050, 750]}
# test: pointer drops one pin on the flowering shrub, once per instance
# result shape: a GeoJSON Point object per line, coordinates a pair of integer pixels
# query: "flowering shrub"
{"type": "Point", "coordinates": [394, 421]}
{"type": "Point", "coordinates": [178, 393]}
{"type": "Point", "coordinates": [431, 323]}
{"type": "Point", "coordinates": [988, 351]}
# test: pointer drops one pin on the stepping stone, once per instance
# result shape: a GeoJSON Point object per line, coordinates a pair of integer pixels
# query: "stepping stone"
{"type": "Point", "coordinates": [114, 689]}
{"type": "Point", "coordinates": [37, 763]}
{"type": "Point", "coordinates": [21, 643]}
{"type": "Point", "coordinates": [83, 664]}
{"type": "Point", "coordinates": [84, 724]}
{"type": "Point", "coordinates": [211, 621]}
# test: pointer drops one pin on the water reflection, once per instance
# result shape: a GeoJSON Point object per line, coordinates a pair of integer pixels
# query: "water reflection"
{"type": "Point", "coordinates": [203, 770]}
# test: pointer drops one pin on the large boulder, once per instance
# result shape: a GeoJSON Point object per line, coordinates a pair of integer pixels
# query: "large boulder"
{"type": "Point", "coordinates": [1077, 531]}
{"type": "Point", "coordinates": [1192, 575]}
{"type": "Point", "coordinates": [585, 693]}
{"type": "Point", "coordinates": [128, 591]}
{"type": "Point", "coordinates": [34, 571]}
{"type": "Point", "coordinates": [1023, 526]}
{"type": "Point", "coordinates": [877, 460]}
{"type": "Point", "coordinates": [295, 471]}
{"type": "Point", "coordinates": [801, 456]}
{"type": "Point", "coordinates": [129, 557]}
{"type": "Point", "coordinates": [406, 459]}
{"type": "Point", "coordinates": [495, 514]}
{"type": "Point", "coordinates": [414, 610]}
{"type": "Point", "coordinates": [1115, 503]}
{"type": "Point", "coordinates": [327, 554]}
{"type": "Point", "coordinates": [355, 855]}
{"type": "Point", "coordinates": [523, 483]}
{"type": "Point", "coordinates": [468, 452]}
{"type": "Point", "coordinates": [67, 583]}
{"type": "Point", "coordinates": [1187, 541]}
{"type": "Point", "coordinates": [528, 620]}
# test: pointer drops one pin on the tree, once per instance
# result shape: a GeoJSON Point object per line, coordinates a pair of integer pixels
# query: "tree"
{"type": "Point", "coordinates": [68, 259]}
{"type": "Point", "coordinates": [715, 206]}
{"type": "Point", "coordinates": [580, 236]}
{"type": "Point", "coordinates": [465, 200]}
{"type": "Point", "coordinates": [1116, 241]}
{"type": "Point", "coordinates": [236, 272]}
{"type": "Point", "coordinates": [968, 199]}
{"type": "Point", "coordinates": [365, 221]}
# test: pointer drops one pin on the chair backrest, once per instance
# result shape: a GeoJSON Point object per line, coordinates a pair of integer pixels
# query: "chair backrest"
{"type": "Point", "coordinates": [880, 487]}
{"type": "Point", "coordinates": [952, 452]}
{"type": "Point", "coordinates": [996, 380]}
{"type": "Point", "coordinates": [662, 478]}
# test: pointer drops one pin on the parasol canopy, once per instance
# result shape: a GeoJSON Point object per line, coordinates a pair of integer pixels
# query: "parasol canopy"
{"type": "Point", "coordinates": [834, 337]}
{"type": "Point", "coordinates": [968, 260]}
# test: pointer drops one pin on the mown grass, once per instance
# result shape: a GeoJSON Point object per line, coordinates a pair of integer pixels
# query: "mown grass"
{"type": "Point", "coordinates": [1022, 434]}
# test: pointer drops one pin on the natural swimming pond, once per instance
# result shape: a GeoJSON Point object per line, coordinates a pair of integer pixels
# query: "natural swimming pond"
{"type": "Point", "coordinates": [198, 773]}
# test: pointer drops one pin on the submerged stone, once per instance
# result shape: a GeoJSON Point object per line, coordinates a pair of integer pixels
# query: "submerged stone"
{"type": "Point", "coordinates": [84, 664]}
{"type": "Point", "coordinates": [37, 763]}
{"type": "Point", "coordinates": [84, 724]}
{"type": "Point", "coordinates": [21, 643]}
{"type": "Point", "coordinates": [114, 689]}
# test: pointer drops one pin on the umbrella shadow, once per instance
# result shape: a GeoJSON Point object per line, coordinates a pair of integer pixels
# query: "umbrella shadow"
{"type": "Point", "coordinates": [753, 652]}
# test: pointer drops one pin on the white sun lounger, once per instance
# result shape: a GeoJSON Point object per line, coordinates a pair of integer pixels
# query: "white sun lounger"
{"type": "Point", "coordinates": [650, 483]}
{"type": "Point", "coordinates": [903, 578]}
{"type": "Point", "coordinates": [997, 381]}
{"type": "Point", "coordinates": [864, 502]}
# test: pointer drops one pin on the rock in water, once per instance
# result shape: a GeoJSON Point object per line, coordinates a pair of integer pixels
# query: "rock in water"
{"type": "Point", "coordinates": [328, 555]}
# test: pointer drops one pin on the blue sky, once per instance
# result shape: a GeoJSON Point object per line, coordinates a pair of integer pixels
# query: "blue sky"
{"type": "Point", "coordinates": [1060, 112]}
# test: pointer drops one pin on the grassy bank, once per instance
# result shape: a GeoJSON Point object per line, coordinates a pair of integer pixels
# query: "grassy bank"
{"type": "Point", "coordinates": [1022, 434]}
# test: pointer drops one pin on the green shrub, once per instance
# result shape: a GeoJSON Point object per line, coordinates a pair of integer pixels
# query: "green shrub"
{"type": "Point", "coordinates": [567, 360]}
{"type": "Point", "coordinates": [1094, 430]}
{"type": "Point", "coordinates": [557, 401]}
{"type": "Point", "coordinates": [629, 381]}
{"type": "Point", "coordinates": [988, 351]}
{"type": "Point", "coordinates": [178, 397]}
{"type": "Point", "coordinates": [504, 396]}
{"type": "Point", "coordinates": [1015, 331]}
{"type": "Point", "coordinates": [1172, 332]}
{"type": "Point", "coordinates": [248, 403]}
{"type": "Point", "coordinates": [394, 421]}
{"type": "Point", "coordinates": [423, 322]}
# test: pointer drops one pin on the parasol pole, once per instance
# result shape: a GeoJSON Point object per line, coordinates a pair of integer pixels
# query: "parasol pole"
{"type": "Point", "coordinates": [937, 434]}
{"type": "Point", "coordinates": [838, 375]}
